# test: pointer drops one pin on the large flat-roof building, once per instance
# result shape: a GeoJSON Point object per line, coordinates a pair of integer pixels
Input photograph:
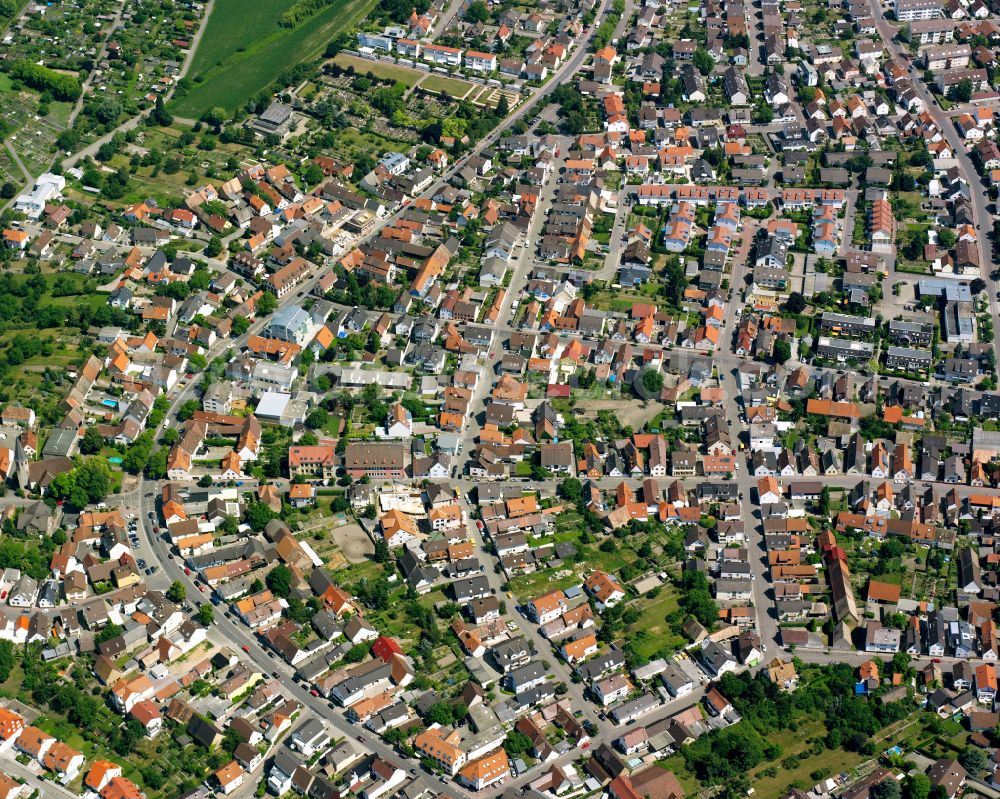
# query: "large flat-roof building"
{"type": "Point", "coordinates": [376, 460]}
{"type": "Point", "coordinates": [276, 119]}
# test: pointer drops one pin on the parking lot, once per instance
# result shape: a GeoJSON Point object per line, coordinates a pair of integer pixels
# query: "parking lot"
{"type": "Point", "coordinates": [136, 542]}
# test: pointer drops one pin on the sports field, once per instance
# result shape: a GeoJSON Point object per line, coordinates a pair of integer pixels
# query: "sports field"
{"type": "Point", "coordinates": [243, 49]}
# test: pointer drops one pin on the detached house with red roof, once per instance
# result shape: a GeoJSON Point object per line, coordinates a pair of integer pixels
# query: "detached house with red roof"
{"type": "Point", "coordinates": [148, 715]}
{"type": "Point", "coordinates": [121, 788]}
{"type": "Point", "coordinates": [63, 760]}
{"type": "Point", "coordinates": [385, 647]}
{"type": "Point", "coordinates": [230, 777]}
{"type": "Point", "coordinates": [34, 743]}
{"type": "Point", "coordinates": [604, 589]}
{"type": "Point", "coordinates": [101, 773]}
{"type": "Point", "coordinates": [11, 725]}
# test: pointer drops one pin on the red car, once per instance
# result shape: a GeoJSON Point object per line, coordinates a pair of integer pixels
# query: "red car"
{"type": "Point", "coordinates": [314, 692]}
{"type": "Point", "coordinates": [187, 571]}
{"type": "Point", "coordinates": [201, 588]}
{"type": "Point", "coordinates": [935, 660]}
{"type": "Point", "coordinates": [246, 649]}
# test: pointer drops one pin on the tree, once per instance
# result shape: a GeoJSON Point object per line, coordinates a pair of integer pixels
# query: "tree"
{"type": "Point", "coordinates": [382, 552]}
{"type": "Point", "coordinates": [205, 481]}
{"type": "Point", "coordinates": [824, 502]}
{"type": "Point", "coordinates": [516, 744]}
{"type": "Point", "coordinates": [946, 238]}
{"type": "Point", "coordinates": [279, 580]}
{"type": "Point", "coordinates": [795, 303]}
{"type": "Point", "coordinates": [477, 12]}
{"type": "Point", "coordinates": [961, 92]}
{"type": "Point", "coordinates": [258, 515]}
{"type": "Point", "coordinates": [571, 490]}
{"type": "Point", "coordinates": [137, 456]}
{"type": "Point", "coordinates": [916, 786]}
{"type": "Point", "coordinates": [215, 116]}
{"type": "Point", "coordinates": [188, 409]}
{"type": "Point", "coordinates": [886, 789]}
{"type": "Point", "coordinates": [7, 660]}
{"type": "Point", "coordinates": [267, 304]}
{"type": "Point", "coordinates": [240, 325]}
{"type": "Point", "coordinates": [972, 759]}
{"type": "Point", "coordinates": [177, 592]}
{"type": "Point", "coordinates": [92, 441]}
{"type": "Point", "coordinates": [159, 114]}
{"type": "Point", "coordinates": [782, 351]}
{"type": "Point", "coordinates": [59, 85]}
{"type": "Point", "coordinates": [652, 381]}
{"type": "Point", "coordinates": [978, 285]}
{"type": "Point", "coordinates": [697, 598]}
{"type": "Point", "coordinates": [214, 247]}
{"type": "Point", "coordinates": [441, 713]}
{"type": "Point", "coordinates": [356, 654]}
{"type": "Point", "coordinates": [317, 419]}
{"type": "Point", "coordinates": [156, 467]}
{"type": "Point", "coordinates": [702, 61]}
{"type": "Point", "coordinates": [206, 615]}
{"type": "Point", "coordinates": [8, 190]}
{"type": "Point", "coordinates": [89, 482]}
{"type": "Point", "coordinates": [763, 114]}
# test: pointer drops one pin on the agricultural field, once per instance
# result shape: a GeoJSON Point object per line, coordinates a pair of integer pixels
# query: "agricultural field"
{"type": "Point", "coordinates": [235, 60]}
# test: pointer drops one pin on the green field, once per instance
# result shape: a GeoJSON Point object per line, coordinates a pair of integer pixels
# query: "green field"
{"type": "Point", "coordinates": [232, 28]}
{"type": "Point", "coordinates": [243, 50]}
{"type": "Point", "coordinates": [405, 75]}
{"type": "Point", "coordinates": [651, 636]}
{"type": "Point", "coordinates": [444, 85]}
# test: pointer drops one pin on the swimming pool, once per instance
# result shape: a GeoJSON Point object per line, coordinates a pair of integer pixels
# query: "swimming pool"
{"type": "Point", "coordinates": [114, 460]}
{"type": "Point", "coordinates": [110, 403]}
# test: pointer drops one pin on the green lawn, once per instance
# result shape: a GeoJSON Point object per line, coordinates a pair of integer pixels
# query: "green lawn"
{"type": "Point", "coordinates": [243, 50]}
{"type": "Point", "coordinates": [445, 85]}
{"type": "Point", "coordinates": [526, 587]}
{"type": "Point", "coordinates": [379, 69]}
{"type": "Point", "coordinates": [651, 634]}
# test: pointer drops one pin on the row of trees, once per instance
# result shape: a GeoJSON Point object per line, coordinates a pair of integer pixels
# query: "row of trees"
{"type": "Point", "coordinates": [301, 11]}
{"type": "Point", "coordinates": [43, 79]}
